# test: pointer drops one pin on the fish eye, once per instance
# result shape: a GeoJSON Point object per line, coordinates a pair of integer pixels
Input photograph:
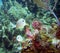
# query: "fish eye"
{"type": "Point", "coordinates": [22, 20]}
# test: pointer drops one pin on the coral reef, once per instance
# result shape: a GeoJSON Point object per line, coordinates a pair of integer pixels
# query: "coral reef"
{"type": "Point", "coordinates": [27, 28]}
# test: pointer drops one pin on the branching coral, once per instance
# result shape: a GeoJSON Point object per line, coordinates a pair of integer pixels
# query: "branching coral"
{"type": "Point", "coordinates": [18, 11]}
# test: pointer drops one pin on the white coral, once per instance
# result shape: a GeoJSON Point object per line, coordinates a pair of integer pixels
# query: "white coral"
{"type": "Point", "coordinates": [19, 38]}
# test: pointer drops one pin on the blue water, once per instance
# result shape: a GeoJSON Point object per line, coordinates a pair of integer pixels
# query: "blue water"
{"type": "Point", "coordinates": [0, 2]}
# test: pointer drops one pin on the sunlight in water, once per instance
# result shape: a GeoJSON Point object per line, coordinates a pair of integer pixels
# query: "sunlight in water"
{"type": "Point", "coordinates": [0, 2]}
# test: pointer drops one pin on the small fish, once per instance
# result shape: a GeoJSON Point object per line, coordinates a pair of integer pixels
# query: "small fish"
{"type": "Point", "coordinates": [20, 24]}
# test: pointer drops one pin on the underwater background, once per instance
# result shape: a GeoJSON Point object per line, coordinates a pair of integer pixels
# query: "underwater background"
{"type": "Point", "coordinates": [29, 26]}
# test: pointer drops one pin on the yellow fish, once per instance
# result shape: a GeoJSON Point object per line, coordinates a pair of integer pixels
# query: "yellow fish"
{"type": "Point", "coordinates": [20, 24]}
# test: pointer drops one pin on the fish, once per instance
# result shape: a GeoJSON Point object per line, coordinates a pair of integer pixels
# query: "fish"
{"type": "Point", "coordinates": [20, 24]}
